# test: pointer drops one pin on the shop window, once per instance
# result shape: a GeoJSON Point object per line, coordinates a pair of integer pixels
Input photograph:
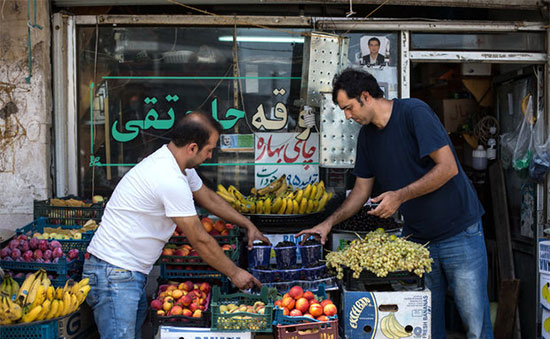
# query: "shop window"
{"type": "Point", "coordinates": [134, 83]}
{"type": "Point", "coordinates": [513, 41]}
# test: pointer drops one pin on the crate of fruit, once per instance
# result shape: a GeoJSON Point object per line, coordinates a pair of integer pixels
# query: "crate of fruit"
{"type": "Point", "coordinates": [70, 210]}
{"type": "Point", "coordinates": [185, 255]}
{"type": "Point", "coordinates": [171, 272]}
{"type": "Point", "coordinates": [241, 311]}
{"type": "Point", "coordinates": [70, 237]}
{"type": "Point", "coordinates": [47, 329]}
{"type": "Point", "coordinates": [223, 232]}
{"type": "Point", "coordinates": [183, 304]}
{"type": "Point", "coordinates": [24, 254]}
{"type": "Point", "coordinates": [299, 306]}
{"type": "Point", "coordinates": [325, 329]}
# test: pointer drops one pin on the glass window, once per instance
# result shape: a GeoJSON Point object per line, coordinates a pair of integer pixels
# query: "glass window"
{"type": "Point", "coordinates": [514, 41]}
{"type": "Point", "coordinates": [138, 81]}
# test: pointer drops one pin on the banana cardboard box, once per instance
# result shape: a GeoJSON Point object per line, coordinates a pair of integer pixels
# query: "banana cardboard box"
{"type": "Point", "coordinates": [544, 255]}
{"type": "Point", "coordinates": [79, 324]}
{"type": "Point", "coordinates": [544, 290]}
{"type": "Point", "coordinates": [545, 324]}
{"type": "Point", "coordinates": [393, 315]}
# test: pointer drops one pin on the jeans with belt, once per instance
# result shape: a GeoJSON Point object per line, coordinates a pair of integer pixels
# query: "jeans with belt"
{"type": "Point", "coordinates": [117, 297]}
{"type": "Point", "coordinates": [460, 265]}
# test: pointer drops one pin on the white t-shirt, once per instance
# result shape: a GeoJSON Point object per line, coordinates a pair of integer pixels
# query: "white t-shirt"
{"type": "Point", "coordinates": [137, 220]}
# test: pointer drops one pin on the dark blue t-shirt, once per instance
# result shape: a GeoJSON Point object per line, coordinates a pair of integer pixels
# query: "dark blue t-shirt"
{"type": "Point", "coordinates": [398, 155]}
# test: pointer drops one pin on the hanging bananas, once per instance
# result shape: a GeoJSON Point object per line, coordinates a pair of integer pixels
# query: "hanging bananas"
{"type": "Point", "coordinates": [38, 300]}
{"type": "Point", "coordinates": [278, 198]}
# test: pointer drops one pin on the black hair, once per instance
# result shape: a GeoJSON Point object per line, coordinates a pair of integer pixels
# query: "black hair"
{"type": "Point", "coordinates": [354, 82]}
{"type": "Point", "coordinates": [195, 127]}
{"type": "Point", "coordinates": [374, 39]}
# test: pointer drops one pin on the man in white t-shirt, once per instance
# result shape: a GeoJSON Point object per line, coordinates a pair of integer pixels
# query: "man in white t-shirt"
{"type": "Point", "coordinates": [150, 201]}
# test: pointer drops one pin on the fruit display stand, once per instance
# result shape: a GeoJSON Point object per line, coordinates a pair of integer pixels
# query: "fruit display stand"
{"type": "Point", "coordinates": [68, 210]}
{"type": "Point", "coordinates": [233, 312]}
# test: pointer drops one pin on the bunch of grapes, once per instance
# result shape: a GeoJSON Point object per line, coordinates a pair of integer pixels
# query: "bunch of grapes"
{"type": "Point", "coordinates": [381, 254]}
{"type": "Point", "coordinates": [364, 222]}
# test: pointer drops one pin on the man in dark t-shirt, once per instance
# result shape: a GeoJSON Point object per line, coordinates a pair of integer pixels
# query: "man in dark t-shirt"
{"type": "Point", "coordinates": [403, 146]}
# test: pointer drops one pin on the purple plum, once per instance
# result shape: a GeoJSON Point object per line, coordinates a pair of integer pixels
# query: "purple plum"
{"type": "Point", "coordinates": [57, 252]}
{"type": "Point", "coordinates": [54, 244]}
{"type": "Point", "coordinates": [47, 255]}
{"type": "Point", "coordinates": [24, 245]}
{"type": "Point", "coordinates": [14, 243]}
{"type": "Point", "coordinates": [33, 243]}
{"type": "Point", "coordinates": [43, 244]}
{"type": "Point", "coordinates": [5, 252]}
{"type": "Point", "coordinates": [15, 253]}
{"type": "Point", "coordinates": [73, 253]}
{"type": "Point", "coordinates": [37, 254]}
{"type": "Point", "coordinates": [27, 256]}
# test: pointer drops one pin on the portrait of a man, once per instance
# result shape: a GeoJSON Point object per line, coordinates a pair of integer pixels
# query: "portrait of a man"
{"type": "Point", "coordinates": [374, 57]}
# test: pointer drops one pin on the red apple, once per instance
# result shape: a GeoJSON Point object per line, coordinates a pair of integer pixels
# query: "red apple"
{"type": "Point", "coordinates": [188, 286]}
{"type": "Point", "coordinates": [302, 304]}
{"type": "Point", "coordinates": [167, 251]}
{"type": "Point", "coordinates": [322, 318]}
{"type": "Point", "coordinates": [315, 310]}
{"type": "Point", "coordinates": [296, 313]}
{"type": "Point", "coordinates": [309, 316]}
{"type": "Point", "coordinates": [288, 302]}
{"type": "Point", "coordinates": [176, 310]}
{"type": "Point", "coordinates": [296, 292]}
{"type": "Point", "coordinates": [187, 300]}
{"type": "Point", "coordinates": [187, 312]}
{"type": "Point", "coordinates": [193, 307]}
{"type": "Point", "coordinates": [309, 295]}
{"type": "Point", "coordinates": [326, 302]}
{"type": "Point", "coordinates": [314, 301]}
{"type": "Point", "coordinates": [330, 310]}
{"type": "Point", "coordinates": [156, 304]}
{"type": "Point", "coordinates": [205, 287]}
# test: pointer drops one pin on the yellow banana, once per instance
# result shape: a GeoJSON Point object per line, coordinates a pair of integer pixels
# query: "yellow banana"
{"type": "Point", "coordinates": [82, 293]}
{"type": "Point", "coordinates": [281, 190]}
{"type": "Point", "coordinates": [289, 206]}
{"type": "Point", "coordinates": [45, 310]}
{"type": "Point", "coordinates": [67, 300]}
{"type": "Point", "coordinates": [276, 204]}
{"type": "Point", "coordinates": [313, 193]}
{"type": "Point", "coordinates": [222, 189]}
{"type": "Point", "coordinates": [32, 293]}
{"type": "Point", "coordinates": [226, 197]}
{"type": "Point", "coordinates": [283, 207]}
{"type": "Point", "coordinates": [53, 309]}
{"type": "Point", "coordinates": [260, 206]}
{"type": "Point", "coordinates": [74, 303]}
{"type": "Point", "coordinates": [320, 190]}
{"type": "Point", "coordinates": [273, 186]}
{"type": "Point", "coordinates": [267, 206]}
{"type": "Point", "coordinates": [322, 202]}
{"type": "Point", "coordinates": [309, 208]}
{"type": "Point", "coordinates": [303, 206]}
{"type": "Point", "coordinates": [74, 288]}
{"type": "Point", "coordinates": [58, 293]}
{"type": "Point", "coordinates": [252, 207]}
{"type": "Point", "coordinates": [32, 314]}
{"type": "Point", "coordinates": [299, 195]}
{"type": "Point", "coordinates": [39, 297]}
{"type": "Point", "coordinates": [25, 288]}
{"type": "Point", "coordinates": [46, 282]}
{"type": "Point", "coordinates": [68, 285]}
{"type": "Point", "coordinates": [295, 207]}
{"type": "Point", "coordinates": [253, 191]}
{"type": "Point", "coordinates": [307, 191]}
{"type": "Point", "coordinates": [315, 205]}
{"type": "Point", "coordinates": [329, 196]}
{"type": "Point", "coordinates": [50, 293]}
{"type": "Point", "coordinates": [235, 192]}
{"type": "Point", "coordinates": [60, 308]}
{"type": "Point", "coordinates": [12, 311]}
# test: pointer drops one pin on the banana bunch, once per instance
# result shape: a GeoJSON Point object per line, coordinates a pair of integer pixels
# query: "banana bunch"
{"type": "Point", "coordinates": [38, 300]}
{"type": "Point", "coordinates": [392, 329]}
{"type": "Point", "coordinates": [278, 198]}
{"type": "Point", "coordinates": [9, 286]}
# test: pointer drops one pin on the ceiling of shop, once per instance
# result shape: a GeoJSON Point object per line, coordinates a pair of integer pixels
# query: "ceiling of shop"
{"type": "Point", "coordinates": [504, 4]}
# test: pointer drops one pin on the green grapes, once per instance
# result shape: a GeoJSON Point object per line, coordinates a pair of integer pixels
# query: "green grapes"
{"type": "Point", "coordinates": [381, 254]}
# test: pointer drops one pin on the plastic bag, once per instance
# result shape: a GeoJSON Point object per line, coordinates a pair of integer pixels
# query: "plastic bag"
{"type": "Point", "coordinates": [540, 163]}
{"type": "Point", "coordinates": [517, 145]}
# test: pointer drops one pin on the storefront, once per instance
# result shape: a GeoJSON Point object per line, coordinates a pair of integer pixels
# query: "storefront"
{"type": "Point", "coordinates": [121, 82]}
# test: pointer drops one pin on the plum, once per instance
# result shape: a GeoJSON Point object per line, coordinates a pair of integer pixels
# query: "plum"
{"type": "Point", "coordinates": [24, 245]}
{"type": "Point", "coordinates": [37, 254]}
{"type": "Point", "coordinates": [22, 237]}
{"type": "Point", "coordinates": [57, 252]}
{"type": "Point", "coordinates": [54, 244]}
{"type": "Point", "coordinates": [27, 256]}
{"type": "Point", "coordinates": [5, 252]}
{"type": "Point", "coordinates": [15, 253]}
{"type": "Point", "coordinates": [73, 253]}
{"type": "Point", "coordinates": [33, 243]}
{"type": "Point", "coordinates": [43, 244]}
{"type": "Point", "coordinates": [47, 255]}
{"type": "Point", "coordinates": [14, 243]}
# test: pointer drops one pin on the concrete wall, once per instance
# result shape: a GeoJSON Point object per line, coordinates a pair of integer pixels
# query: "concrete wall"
{"type": "Point", "coordinates": [25, 111]}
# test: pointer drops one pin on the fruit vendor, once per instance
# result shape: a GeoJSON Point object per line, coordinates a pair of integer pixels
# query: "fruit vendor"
{"type": "Point", "coordinates": [404, 151]}
{"type": "Point", "coordinates": [151, 200]}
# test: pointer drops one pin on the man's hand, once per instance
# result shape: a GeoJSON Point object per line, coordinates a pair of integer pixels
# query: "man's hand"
{"type": "Point", "coordinates": [255, 234]}
{"type": "Point", "coordinates": [389, 203]}
{"type": "Point", "coordinates": [244, 280]}
{"type": "Point", "coordinates": [320, 232]}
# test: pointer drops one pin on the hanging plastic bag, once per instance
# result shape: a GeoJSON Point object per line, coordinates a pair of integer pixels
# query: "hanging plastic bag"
{"type": "Point", "coordinates": [540, 163]}
{"type": "Point", "coordinates": [523, 148]}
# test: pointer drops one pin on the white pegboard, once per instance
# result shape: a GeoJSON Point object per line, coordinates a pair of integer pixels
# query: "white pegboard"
{"type": "Point", "coordinates": [338, 137]}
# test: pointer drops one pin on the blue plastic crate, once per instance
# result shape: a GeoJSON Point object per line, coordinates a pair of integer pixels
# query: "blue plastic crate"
{"type": "Point", "coordinates": [68, 215]}
{"type": "Point", "coordinates": [48, 329]}
{"type": "Point", "coordinates": [57, 282]}
{"type": "Point", "coordinates": [80, 244]}
{"type": "Point", "coordinates": [280, 319]}
{"type": "Point", "coordinates": [62, 268]}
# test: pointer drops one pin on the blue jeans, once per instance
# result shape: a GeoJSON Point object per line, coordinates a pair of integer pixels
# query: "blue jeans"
{"type": "Point", "coordinates": [460, 264]}
{"type": "Point", "coordinates": [117, 297]}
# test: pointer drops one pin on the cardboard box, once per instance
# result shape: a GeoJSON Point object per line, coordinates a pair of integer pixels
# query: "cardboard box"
{"type": "Point", "coordinates": [455, 112]}
{"type": "Point", "coordinates": [170, 332]}
{"type": "Point", "coordinates": [544, 255]}
{"type": "Point", "coordinates": [544, 290]}
{"type": "Point", "coordinates": [78, 324]}
{"type": "Point", "coordinates": [370, 314]}
{"type": "Point", "coordinates": [545, 324]}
